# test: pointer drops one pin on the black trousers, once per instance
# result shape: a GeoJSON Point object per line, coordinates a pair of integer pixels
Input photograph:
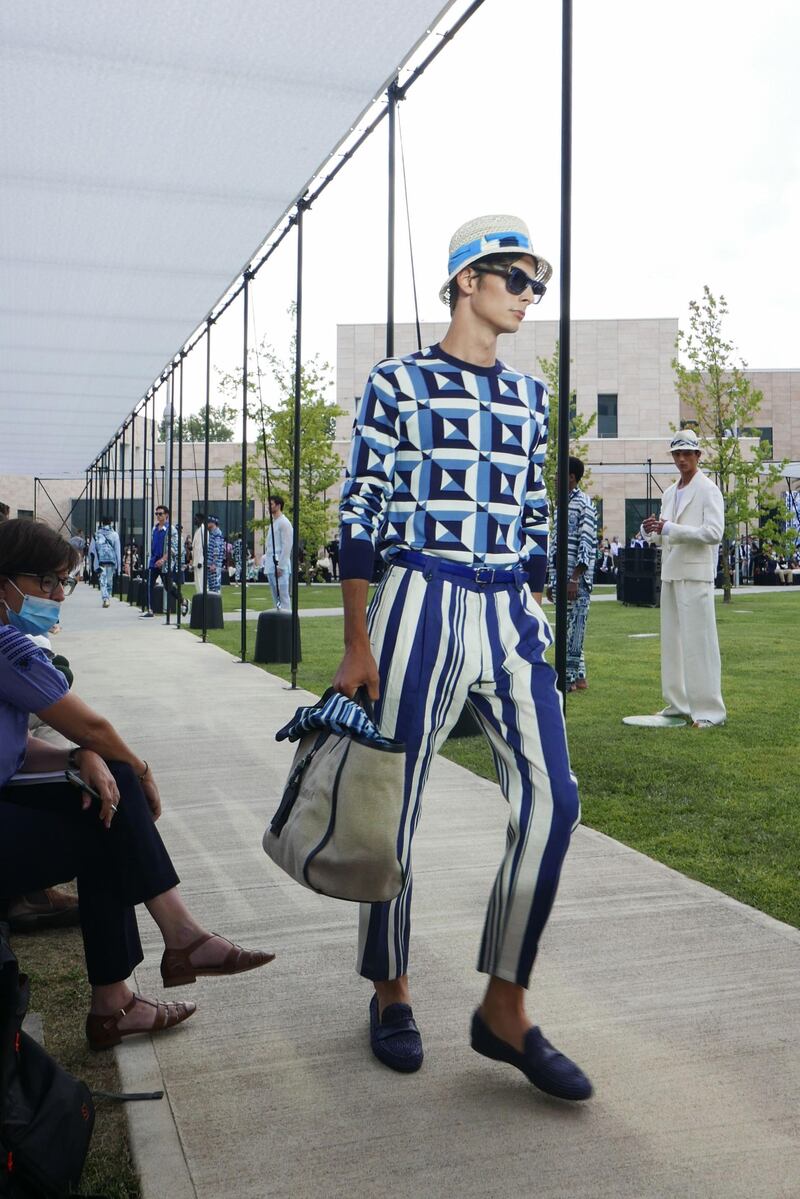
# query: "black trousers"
{"type": "Point", "coordinates": [46, 838]}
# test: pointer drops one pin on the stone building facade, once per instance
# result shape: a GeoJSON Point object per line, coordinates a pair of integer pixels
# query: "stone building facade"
{"type": "Point", "coordinates": [621, 372]}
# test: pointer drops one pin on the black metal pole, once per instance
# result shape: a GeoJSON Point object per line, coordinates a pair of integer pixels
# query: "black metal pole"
{"type": "Point", "coordinates": [564, 349]}
{"type": "Point", "coordinates": [205, 481]}
{"type": "Point", "coordinates": [145, 525]}
{"type": "Point", "coordinates": [181, 539]}
{"type": "Point", "coordinates": [168, 485]}
{"type": "Point", "coordinates": [298, 374]}
{"type": "Point", "coordinates": [392, 110]}
{"type": "Point", "coordinates": [121, 525]}
{"type": "Point", "coordinates": [131, 522]}
{"type": "Point", "coordinates": [153, 500]}
{"type": "Point", "coordinates": [88, 530]}
{"type": "Point", "coordinates": [243, 534]}
{"type": "Point", "coordinates": [116, 508]}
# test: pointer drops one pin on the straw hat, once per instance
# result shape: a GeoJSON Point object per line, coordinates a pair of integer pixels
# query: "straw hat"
{"type": "Point", "coordinates": [490, 235]}
{"type": "Point", "coordinates": [685, 439]}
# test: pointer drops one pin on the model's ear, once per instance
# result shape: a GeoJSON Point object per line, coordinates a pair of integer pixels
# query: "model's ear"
{"type": "Point", "coordinates": [466, 280]}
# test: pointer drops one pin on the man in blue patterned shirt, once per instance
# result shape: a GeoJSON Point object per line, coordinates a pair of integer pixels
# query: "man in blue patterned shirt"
{"type": "Point", "coordinates": [445, 475]}
{"type": "Point", "coordinates": [581, 557]}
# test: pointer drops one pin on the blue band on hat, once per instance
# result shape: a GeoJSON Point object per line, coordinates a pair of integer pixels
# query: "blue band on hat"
{"type": "Point", "coordinates": [486, 245]}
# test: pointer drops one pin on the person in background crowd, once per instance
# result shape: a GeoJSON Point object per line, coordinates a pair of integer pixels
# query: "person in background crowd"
{"type": "Point", "coordinates": [280, 539]}
{"type": "Point", "coordinates": [101, 825]}
{"type": "Point", "coordinates": [78, 542]}
{"type": "Point", "coordinates": [198, 552]}
{"type": "Point", "coordinates": [581, 542]}
{"type": "Point", "coordinates": [106, 557]}
{"type": "Point", "coordinates": [333, 553]}
{"type": "Point", "coordinates": [165, 563]}
{"type": "Point", "coordinates": [614, 547]}
{"type": "Point", "coordinates": [237, 558]}
{"type": "Point", "coordinates": [689, 531]}
{"type": "Point", "coordinates": [216, 556]}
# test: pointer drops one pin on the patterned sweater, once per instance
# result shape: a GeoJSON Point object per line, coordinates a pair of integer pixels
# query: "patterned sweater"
{"type": "Point", "coordinates": [446, 459]}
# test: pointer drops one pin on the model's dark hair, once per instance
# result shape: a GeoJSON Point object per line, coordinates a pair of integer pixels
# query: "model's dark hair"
{"type": "Point", "coordinates": [106, 520]}
{"type": "Point", "coordinates": [491, 260]}
{"type": "Point", "coordinates": [199, 518]}
{"type": "Point", "coordinates": [164, 506]}
{"type": "Point", "coordinates": [576, 468]}
{"type": "Point", "coordinates": [30, 547]}
{"type": "Point", "coordinates": [278, 499]}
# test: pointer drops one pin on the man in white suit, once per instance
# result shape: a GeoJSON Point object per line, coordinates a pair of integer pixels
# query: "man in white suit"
{"type": "Point", "coordinates": [689, 530]}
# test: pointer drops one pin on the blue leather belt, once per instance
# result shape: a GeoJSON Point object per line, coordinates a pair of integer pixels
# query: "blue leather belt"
{"type": "Point", "coordinates": [485, 576]}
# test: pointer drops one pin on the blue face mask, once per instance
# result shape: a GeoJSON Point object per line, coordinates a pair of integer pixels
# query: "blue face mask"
{"type": "Point", "coordinates": [37, 615]}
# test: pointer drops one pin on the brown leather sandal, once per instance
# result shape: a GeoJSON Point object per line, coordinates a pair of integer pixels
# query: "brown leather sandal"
{"type": "Point", "coordinates": [103, 1032]}
{"type": "Point", "coordinates": [177, 970]}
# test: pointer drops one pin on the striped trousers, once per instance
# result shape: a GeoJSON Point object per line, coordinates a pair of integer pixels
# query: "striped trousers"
{"type": "Point", "coordinates": [441, 641]}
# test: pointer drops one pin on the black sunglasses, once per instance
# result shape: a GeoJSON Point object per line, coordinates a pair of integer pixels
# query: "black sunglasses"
{"type": "Point", "coordinates": [516, 279]}
{"type": "Point", "coordinates": [50, 581]}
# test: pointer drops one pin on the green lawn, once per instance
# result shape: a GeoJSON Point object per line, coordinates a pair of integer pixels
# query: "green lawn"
{"type": "Point", "coordinates": [259, 596]}
{"type": "Point", "coordinates": [719, 805]}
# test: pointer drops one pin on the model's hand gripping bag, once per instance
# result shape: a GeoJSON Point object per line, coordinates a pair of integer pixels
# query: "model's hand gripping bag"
{"type": "Point", "coordinates": [337, 826]}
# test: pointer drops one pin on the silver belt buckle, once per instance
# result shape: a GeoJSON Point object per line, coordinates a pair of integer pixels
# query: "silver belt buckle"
{"type": "Point", "coordinates": [484, 574]}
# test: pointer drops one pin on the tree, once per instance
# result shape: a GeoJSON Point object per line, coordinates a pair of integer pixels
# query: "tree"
{"type": "Point", "coordinates": [579, 426]}
{"type": "Point", "coordinates": [320, 465]}
{"type": "Point", "coordinates": [712, 384]}
{"type": "Point", "coordinates": [221, 418]}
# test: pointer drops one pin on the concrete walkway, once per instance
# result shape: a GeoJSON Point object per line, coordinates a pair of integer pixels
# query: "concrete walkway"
{"type": "Point", "coordinates": [681, 1004]}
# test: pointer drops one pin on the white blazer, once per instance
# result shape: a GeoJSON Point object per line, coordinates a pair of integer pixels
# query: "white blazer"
{"type": "Point", "coordinates": [690, 548]}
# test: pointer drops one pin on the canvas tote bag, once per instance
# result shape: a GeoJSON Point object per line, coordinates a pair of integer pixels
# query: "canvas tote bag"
{"type": "Point", "coordinates": [337, 825]}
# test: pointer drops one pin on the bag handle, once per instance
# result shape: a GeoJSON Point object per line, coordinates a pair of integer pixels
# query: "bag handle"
{"type": "Point", "coordinates": [361, 697]}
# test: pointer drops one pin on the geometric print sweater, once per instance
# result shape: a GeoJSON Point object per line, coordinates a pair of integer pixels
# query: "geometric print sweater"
{"type": "Point", "coordinates": [446, 459]}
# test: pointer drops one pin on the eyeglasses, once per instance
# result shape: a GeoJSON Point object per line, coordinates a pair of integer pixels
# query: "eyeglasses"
{"type": "Point", "coordinates": [516, 279]}
{"type": "Point", "coordinates": [51, 582]}
{"type": "Point", "coordinates": [160, 512]}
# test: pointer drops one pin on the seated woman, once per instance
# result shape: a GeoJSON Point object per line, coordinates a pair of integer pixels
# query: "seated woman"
{"type": "Point", "coordinates": [101, 827]}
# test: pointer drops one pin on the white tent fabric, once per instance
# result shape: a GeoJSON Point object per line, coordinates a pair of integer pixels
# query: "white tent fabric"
{"type": "Point", "coordinates": [147, 151]}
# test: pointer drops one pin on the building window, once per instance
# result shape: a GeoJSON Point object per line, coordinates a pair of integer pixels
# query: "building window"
{"type": "Point", "coordinates": [763, 433]}
{"type": "Point", "coordinates": [606, 415]}
{"type": "Point", "coordinates": [598, 507]}
{"type": "Point", "coordinates": [24, 513]}
{"type": "Point", "coordinates": [573, 412]}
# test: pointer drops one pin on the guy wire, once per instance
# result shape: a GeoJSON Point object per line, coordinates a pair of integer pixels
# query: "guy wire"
{"type": "Point", "coordinates": [408, 222]}
{"type": "Point", "coordinates": [264, 437]}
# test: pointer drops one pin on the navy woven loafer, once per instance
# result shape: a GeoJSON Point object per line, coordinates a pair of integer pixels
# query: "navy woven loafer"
{"type": "Point", "coordinates": [394, 1037]}
{"type": "Point", "coordinates": [541, 1064]}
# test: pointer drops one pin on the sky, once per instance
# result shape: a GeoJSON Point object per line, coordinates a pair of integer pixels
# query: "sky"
{"type": "Point", "coordinates": [686, 171]}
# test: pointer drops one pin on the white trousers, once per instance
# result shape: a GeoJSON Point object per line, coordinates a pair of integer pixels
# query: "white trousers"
{"type": "Point", "coordinates": [690, 663]}
{"type": "Point", "coordinates": [280, 588]}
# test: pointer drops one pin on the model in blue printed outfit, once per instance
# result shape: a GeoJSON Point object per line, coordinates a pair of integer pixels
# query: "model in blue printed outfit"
{"type": "Point", "coordinates": [446, 472]}
{"type": "Point", "coordinates": [581, 556]}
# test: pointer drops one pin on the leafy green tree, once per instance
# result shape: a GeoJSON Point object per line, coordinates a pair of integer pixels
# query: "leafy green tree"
{"type": "Point", "coordinates": [320, 465]}
{"type": "Point", "coordinates": [712, 385]}
{"type": "Point", "coordinates": [221, 424]}
{"type": "Point", "coordinates": [579, 426]}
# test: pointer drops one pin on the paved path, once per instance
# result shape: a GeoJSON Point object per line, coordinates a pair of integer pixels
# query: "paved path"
{"type": "Point", "coordinates": [683, 1005]}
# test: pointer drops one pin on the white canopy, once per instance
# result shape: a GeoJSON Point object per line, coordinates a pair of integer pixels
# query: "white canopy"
{"type": "Point", "coordinates": [147, 150]}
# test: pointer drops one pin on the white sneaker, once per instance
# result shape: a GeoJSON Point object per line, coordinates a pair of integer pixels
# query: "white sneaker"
{"type": "Point", "coordinates": [707, 724]}
{"type": "Point", "coordinates": [106, 603]}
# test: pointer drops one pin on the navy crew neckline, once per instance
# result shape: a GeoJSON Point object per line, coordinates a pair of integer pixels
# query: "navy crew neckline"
{"type": "Point", "coordinates": [472, 367]}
